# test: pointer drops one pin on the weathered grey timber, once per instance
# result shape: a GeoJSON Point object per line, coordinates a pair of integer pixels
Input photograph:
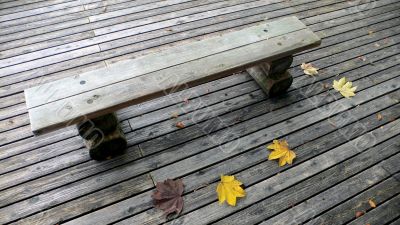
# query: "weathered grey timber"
{"type": "Point", "coordinates": [173, 69]}
{"type": "Point", "coordinates": [51, 178]}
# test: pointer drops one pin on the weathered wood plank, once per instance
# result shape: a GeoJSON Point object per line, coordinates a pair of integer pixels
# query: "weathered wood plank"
{"type": "Point", "coordinates": [164, 59]}
{"type": "Point", "coordinates": [152, 84]}
{"type": "Point", "coordinates": [200, 31]}
{"type": "Point", "coordinates": [286, 199]}
{"type": "Point", "coordinates": [385, 213]}
{"type": "Point", "coordinates": [10, 8]}
{"type": "Point", "coordinates": [227, 149]}
{"type": "Point", "coordinates": [37, 11]}
{"type": "Point", "coordinates": [202, 177]}
{"type": "Point", "coordinates": [345, 212]}
{"type": "Point", "coordinates": [48, 60]}
{"type": "Point", "coordinates": [139, 167]}
{"type": "Point", "coordinates": [43, 16]}
{"type": "Point", "coordinates": [274, 184]}
{"type": "Point", "coordinates": [317, 204]}
{"type": "Point", "coordinates": [81, 25]}
{"type": "Point", "coordinates": [388, 100]}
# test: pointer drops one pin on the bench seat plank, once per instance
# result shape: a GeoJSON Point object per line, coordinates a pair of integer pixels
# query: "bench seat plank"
{"type": "Point", "coordinates": [128, 69]}
{"type": "Point", "coordinates": [162, 73]}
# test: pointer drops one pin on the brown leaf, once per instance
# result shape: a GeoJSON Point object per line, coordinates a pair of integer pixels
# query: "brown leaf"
{"type": "Point", "coordinates": [180, 125]}
{"type": "Point", "coordinates": [379, 116]}
{"type": "Point", "coordinates": [372, 203]}
{"type": "Point", "coordinates": [168, 196]}
{"type": "Point", "coordinates": [370, 32]}
{"type": "Point", "coordinates": [359, 213]}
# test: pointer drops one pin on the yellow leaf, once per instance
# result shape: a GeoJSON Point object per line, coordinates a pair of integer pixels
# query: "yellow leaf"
{"type": "Point", "coordinates": [309, 69]}
{"type": "Point", "coordinates": [229, 189]}
{"type": "Point", "coordinates": [281, 151]}
{"type": "Point", "coordinates": [372, 203]}
{"type": "Point", "coordinates": [344, 87]}
{"type": "Point", "coordinates": [379, 116]}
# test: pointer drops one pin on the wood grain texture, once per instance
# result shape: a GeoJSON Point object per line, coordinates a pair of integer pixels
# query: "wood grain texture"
{"type": "Point", "coordinates": [50, 180]}
{"type": "Point", "coordinates": [163, 81]}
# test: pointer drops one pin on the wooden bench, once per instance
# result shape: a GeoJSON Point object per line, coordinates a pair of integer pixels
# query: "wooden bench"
{"type": "Point", "coordinates": [90, 99]}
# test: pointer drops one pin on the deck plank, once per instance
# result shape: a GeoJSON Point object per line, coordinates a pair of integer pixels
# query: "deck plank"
{"type": "Point", "coordinates": [345, 212]}
{"type": "Point", "coordinates": [51, 179]}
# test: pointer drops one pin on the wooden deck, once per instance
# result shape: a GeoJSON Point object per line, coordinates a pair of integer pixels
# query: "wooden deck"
{"type": "Point", "coordinates": [346, 154]}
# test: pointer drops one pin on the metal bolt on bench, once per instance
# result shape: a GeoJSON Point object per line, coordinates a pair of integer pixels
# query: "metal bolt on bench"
{"type": "Point", "coordinates": [90, 99]}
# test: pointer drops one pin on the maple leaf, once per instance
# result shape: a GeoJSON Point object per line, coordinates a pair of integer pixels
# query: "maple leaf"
{"type": "Point", "coordinates": [372, 203]}
{"type": "Point", "coordinates": [168, 196]}
{"type": "Point", "coordinates": [309, 69]}
{"type": "Point", "coordinates": [282, 152]}
{"type": "Point", "coordinates": [229, 189]}
{"type": "Point", "coordinates": [344, 87]}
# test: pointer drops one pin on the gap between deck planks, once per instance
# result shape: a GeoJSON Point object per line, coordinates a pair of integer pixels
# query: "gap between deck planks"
{"type": "Point", "coordinates": [69, 194]}
{"type": "Point", "coordinates": [375, 56]}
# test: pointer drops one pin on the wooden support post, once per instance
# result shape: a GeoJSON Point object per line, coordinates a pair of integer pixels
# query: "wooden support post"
{"type": "Point", "coordinates": [103, 137]}
{"type": "Point", "coordinates": [273, 77]}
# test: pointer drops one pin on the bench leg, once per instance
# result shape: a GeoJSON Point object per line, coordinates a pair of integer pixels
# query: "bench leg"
{"type": "Point", "coordinates": [273, 77]}
{"type": "Point", "coordinates": [103, 137]}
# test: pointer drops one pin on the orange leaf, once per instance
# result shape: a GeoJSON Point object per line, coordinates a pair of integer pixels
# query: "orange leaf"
{"type": "Point", "coordinates": [180, 125]}
{"type": "Point", "coordinates": [372, 203]}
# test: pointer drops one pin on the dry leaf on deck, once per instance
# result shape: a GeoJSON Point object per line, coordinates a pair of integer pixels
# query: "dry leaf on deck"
{"type": "Point", "coordinates": [174, 115]}
{"type": "Point", "coordinates": [379, 116]}
{"type": "Point", "coordinates": [309, 69]}
{"type": "Point", "coordinates": [362, 58]}
{"type": "Point", "coordinates": [186, 100]}
{"type": "Point", "coordinates": [372, 203]}
{"type": "Point", "coordinates": [229, 189]}
{"type": "Point", "coordinates": [344, 87]}
{"type": "Point", "coordinates": [168, 196]}
{"type": "Point", "coordinates": [180, 125]}
{"type": "Point", "coordinates": [281, 151]}
{"type": "Point", "coordinates": [359, 213]}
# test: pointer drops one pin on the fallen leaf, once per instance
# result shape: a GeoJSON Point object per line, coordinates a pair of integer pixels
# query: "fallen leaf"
{"type": "Point", "coordinates": [168, 196]}
{"type": "Point", "coordinates": [359, 213]}
{"type": "Point", "coordinates": [281, 151]}
{"type": "Point", "coordinates": [344, 87]}
{"type": "Point", "coordinates": [186, 100]}
{"type": "Point", "coordinates": [372, 203]}
{"type": "Point", "coordinates": [180, 125]}
{"type": "Point", "coordinates": [309, 69]}
{"type": "Point", "coordinates": [379, 116]}
{"type": "Point", "coordinates": [362, 58]}
{"type": "Point", "coordinates": [377, 45]}
{"type": "Point", "coordinates": [174, 115]}
{"type": "Point", "coordinates": [326, 86]}
{"type": "Point", "coordinates": [229, 189]}
{"type": "Point", "coordinates": [370, 32]}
